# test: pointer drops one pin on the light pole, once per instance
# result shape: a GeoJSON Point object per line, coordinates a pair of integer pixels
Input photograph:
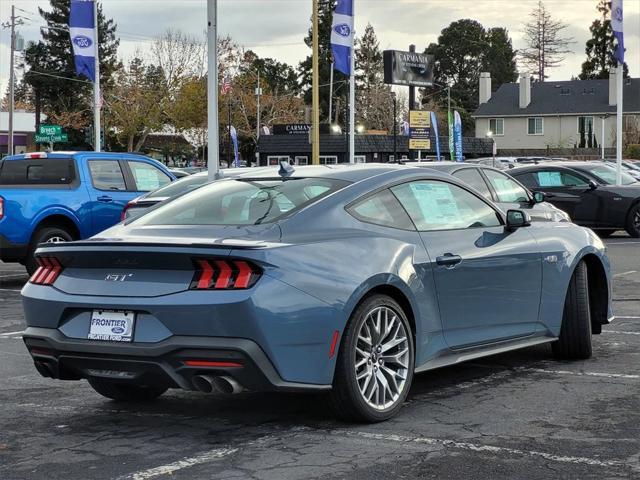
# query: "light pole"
{"type": "Point", "coordinates": [395, 125]}
{"type": "Point", "coordinates": [603, 119]}
{"type": "Point", "coordinates": [315, 91]}
{"type": "Point", "coordinates": [493, 146]}
{"type": "Point", "coordinates": [213, 162]}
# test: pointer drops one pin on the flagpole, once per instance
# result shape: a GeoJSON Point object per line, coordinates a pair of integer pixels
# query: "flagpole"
{"type": "Point", "coordinates": [315, 90]}
{"type": "Point", "coordinates": [96, 83]}
{"type": "Point", "coordinates": [352, 104]}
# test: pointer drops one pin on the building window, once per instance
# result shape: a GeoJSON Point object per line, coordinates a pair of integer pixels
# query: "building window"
{"type": "Point", "coordinates": [302, 160]}
{"type": "Point", "coordinates": [328, 159]}
{"type": "Point", "coordinates": [360, 158]}
{"type": "Point", "coordinates": [496, 126]}
{"type": "Point", "coordinates": [535, 126]}
{"type": "Point", "coordinates": [584, 123]}
{"type": "Point", "coordinates": [276, 159]}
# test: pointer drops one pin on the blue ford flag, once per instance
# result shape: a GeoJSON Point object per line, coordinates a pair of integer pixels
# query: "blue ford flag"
{"type": "Point", "coordinates": [434, 125]}
{"type": "Point", "coordinates": [82, 31]}
{"type": "Point", "coordinates": [457, 131]}
{"type": "Point", "coordinates": [617, 27]}
{"type": "Point", "coordinates": [342, 36]}
{"type": "Point", "coordinates": [234, 139]}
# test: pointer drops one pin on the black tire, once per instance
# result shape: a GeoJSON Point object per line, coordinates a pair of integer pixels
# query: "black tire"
{"type": "Point", "coordinates": [123, 392]}
{"type": "Point", "coordinates": [44, 235]}
{"type": "Point", "coordinates": [575, 334]}
{"type": "Point", "coordinates": [605, 233]}
{"type": "Point", "coordinates": [633, 221]}
{"type": "Point", "coordinates": [345, 398]}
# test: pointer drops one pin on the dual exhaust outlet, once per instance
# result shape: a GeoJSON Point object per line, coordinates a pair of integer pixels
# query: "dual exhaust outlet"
{"type": "Point", "coordinates": [219, 384]}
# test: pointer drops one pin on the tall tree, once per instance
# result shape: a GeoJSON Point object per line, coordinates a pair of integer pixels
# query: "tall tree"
{"type": "Point", "coordinates": [600, 47]}
{"type": "Point", "coordinates": [545, 46]}
{"type": "Point", "coordinates": [500, 58]}
{"type": "Point", "coordinates": [341, 83]}
{"type": "Point", "coordinates": [373, 97]}
{"type": "Point", "coordinates": [53, 58]}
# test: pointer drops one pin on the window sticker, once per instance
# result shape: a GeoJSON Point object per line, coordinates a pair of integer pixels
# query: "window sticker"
{"type": "Point", "coordinates": [549, 179]}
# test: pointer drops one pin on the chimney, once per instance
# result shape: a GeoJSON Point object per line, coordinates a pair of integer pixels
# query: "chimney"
{"type": "Point", "coordinates": [485, 87]}
{"type": "Point", "coordinates": [525, 90]}
{"type": "Point", "coordinates": [612, 87]}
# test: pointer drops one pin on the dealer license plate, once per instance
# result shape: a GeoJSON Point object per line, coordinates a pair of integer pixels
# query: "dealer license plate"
{"type": "Point", "coordinates": [111, 325]}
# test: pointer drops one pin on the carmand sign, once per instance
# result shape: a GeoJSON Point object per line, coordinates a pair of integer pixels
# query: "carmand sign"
{"type": "Point", "coordinates": [408, 68]}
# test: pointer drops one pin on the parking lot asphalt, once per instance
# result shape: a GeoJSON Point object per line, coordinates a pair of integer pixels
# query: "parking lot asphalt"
{"type": "Point", "coordinates": [516, 415]}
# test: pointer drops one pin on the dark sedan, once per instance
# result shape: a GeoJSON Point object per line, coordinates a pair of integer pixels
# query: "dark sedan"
{"type": "Point", "coordinates": [588, 193]}
{"type": "Point", "coordinates": [501, 189]}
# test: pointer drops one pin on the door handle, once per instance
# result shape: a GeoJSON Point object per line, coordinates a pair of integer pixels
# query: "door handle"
{"type": "Point", "coordinates": [449, 260]}
{"type": "Point", "coordinates": [105, 199]}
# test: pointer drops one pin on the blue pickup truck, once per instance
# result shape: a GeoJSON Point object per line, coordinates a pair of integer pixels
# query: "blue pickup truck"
{"type": "Point", "coordinates": [63, 196]}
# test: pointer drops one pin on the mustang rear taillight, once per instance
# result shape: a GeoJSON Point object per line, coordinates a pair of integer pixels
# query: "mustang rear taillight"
{"type": "Point", "coordinates": [212, 274]}
{"type": "Point", "coordinates": [49, 268]}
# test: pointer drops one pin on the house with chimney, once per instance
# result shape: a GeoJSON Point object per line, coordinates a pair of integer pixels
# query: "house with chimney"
{"type": "Point", "coordinates": [536, 118]}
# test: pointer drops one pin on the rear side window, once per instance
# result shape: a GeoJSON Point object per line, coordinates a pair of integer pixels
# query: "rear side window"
{"type": "Point", "coordinates": [529, 179]}
{"type": "Point", "coordinates": [242, 202]}
{"type": "Point", "coordinates": [472, 176]}
{"type": "Point", "coordinates": [383, 209]}
{"type": "Point", "coordinates": [107, 175]}
{"type": "Point", "coordinates": [507, 189]}
{"type": "Point", "coordinates": [147, 177]}
{"type": "Point", "coordinates": [41, 171]}
{"type": "Point", "coordinates": [179, 187]}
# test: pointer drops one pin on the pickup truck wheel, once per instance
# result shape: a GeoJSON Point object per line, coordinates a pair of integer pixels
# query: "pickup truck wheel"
{"type": "Point", "coordinates": [44, 235]}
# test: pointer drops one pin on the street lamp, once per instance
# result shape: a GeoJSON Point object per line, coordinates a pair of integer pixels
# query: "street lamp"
{"type": "Point", "coordinates": [360, 128]}
{"type": "Point", "coordinates": [493, 146]}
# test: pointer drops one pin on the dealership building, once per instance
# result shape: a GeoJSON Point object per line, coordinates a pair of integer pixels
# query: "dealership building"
{"type": "Point", "coordinates": [291, 143]}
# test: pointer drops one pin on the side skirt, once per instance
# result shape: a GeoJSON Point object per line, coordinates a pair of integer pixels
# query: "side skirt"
{"type": "Point", "coordinates": [463, 356]}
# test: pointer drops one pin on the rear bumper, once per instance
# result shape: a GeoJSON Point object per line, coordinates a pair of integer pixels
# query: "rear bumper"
{"type": "Point", "coordinates": [12, 252]}
{"type": "Point", "coordinates": [161, 363]}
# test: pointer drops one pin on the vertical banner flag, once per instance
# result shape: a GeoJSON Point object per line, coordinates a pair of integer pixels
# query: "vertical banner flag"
{"type": "Point", "coordinates": [342, 36]}
{"type": "Point", "coordinates": [82, 31]}
{"type": "Point", "coordinates": [617, 27]}
{"type": "Point", "coordinates": [436, 134]}
{"type": "Point", "coordinates": [457, 129]}
{"type": "Point", "coordinates": [452, 143]}
{"type": "Point", "coordinates": [234, 139]}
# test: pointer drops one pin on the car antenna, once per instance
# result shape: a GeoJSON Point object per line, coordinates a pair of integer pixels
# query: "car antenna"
{"type": "Point", "coordinates": [286, 169]}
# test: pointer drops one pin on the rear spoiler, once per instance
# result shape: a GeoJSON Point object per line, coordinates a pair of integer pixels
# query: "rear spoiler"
{"type": "Point", "coordinates": [98, 244]}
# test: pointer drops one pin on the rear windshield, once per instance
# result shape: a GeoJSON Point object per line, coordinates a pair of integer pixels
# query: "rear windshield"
{"type": "Point", "coordinates": [242, 202]}
{"type": "Point", "coordinates": [37, 171]}
{"type": "Point", "coordinates": [178, 187]}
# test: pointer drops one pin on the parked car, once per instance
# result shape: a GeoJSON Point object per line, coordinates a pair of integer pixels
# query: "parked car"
{"type": "Point", "coordinates": [628, 167]}
{"type": "Point", "coordinates": [139, 205]}
{"type": "Point", "coordinates": [343, 279]}
{"type": "Point", "coordinates": [63, 196]}
{"type": "Point", "coordinates": [502, 189]}
{"type": "Point", "coordinates": [587, 192]}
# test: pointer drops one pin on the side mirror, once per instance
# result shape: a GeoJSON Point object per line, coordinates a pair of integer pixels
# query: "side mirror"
{"type": "Point", "coordinates": [539, 197]}
{"type": "Point", "coordinates": [517, 219]}
{"type": "Point", "coordinates": [592, 185]}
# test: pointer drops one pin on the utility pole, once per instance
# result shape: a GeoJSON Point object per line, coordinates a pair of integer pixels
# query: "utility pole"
{"type": "Point", "coordinates": [213, 162]}
{"type": "Point", "coordinates": [258, 93]}
{"type": "Point", "coordinates": [97, 102]}
{"type": "Point", "coordinates": [12, 79]}
{"type": "Point", "coordinates": [395, 126]}
{"type": "Point", "coordinates": [315, 93]}
{"type": "Point", "coordinates": [229, 127]}
{"type": "Point", "coordinates": [331, 93]}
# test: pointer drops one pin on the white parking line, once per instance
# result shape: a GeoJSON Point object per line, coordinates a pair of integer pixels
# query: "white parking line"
{"type": "Point", "coordinates": [11, 334]}
{"type": "Point", "coordinates": [578, 374]}
{"type": "Point", "coordinates": [476, 447]}
{"type": "Point", "coordinates": [626, 317]}
{"type": "Point", "coordinates": [621, 333]}
{"type": "Point", "coordinates": [170, 468]}
{"type": "Point", "coordinates": [13, 276]}
{"type": "Point", "coordinates": [9, 290]}
{"type": "Point", "coordinates": [625, 273]}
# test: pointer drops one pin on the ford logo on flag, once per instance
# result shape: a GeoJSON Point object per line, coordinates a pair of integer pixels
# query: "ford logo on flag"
{"type": "Point", "coordinates": [342, 29]}
{"type": "Point", "coordinates": [117, 330]}
{"type": "Point", "coordinates": [82, 42]}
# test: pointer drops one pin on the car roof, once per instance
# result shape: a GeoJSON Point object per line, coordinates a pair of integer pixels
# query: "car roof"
{"type": "Point", "coordinates": [342, 171]}
{"type": "Point", "coordinates": [76, 153]}
{"type": "Point", "coordinates": [449, 167]}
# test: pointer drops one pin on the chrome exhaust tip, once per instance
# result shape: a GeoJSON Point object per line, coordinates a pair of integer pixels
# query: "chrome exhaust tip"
{"type": "Point", "coordinates": [227, 385]}
{"type": "Point", "coordinates": [204, 383]}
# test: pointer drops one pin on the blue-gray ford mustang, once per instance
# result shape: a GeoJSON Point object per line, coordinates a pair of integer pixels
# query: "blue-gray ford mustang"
{"type": "Point", "coordinates": [344, 279]}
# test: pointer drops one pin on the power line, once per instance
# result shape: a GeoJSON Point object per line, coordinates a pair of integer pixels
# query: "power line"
{"type": "Point", "coordinates": [59, 76]}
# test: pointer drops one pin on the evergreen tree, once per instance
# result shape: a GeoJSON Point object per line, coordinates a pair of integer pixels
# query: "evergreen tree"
{"type": "Point", "coordinates": [600, 47]}
{"type": "Point", "coordinates": [500, 58]}
{"type": "Point", "coordinates": [340, 81]}
{"type": "Point", "coordinates": [54, 56]}
{"type": "Point", "coordinates": [373, 98]}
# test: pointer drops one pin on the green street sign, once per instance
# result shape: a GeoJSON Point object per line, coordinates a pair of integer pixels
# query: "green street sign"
{"type": "Point", "coordinates": [62, 138]}
{"type": "Point", "coordinates": [50, 130]}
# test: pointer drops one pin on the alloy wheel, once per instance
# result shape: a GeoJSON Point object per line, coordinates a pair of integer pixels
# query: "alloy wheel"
{"type": "Point", "coordinates": [382, 358]}
{"type": "Point", "coordinates": [55, 239]}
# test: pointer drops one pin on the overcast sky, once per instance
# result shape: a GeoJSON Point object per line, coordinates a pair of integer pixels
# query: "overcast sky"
{"type": "Point", "coordinates": [275, 28]}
